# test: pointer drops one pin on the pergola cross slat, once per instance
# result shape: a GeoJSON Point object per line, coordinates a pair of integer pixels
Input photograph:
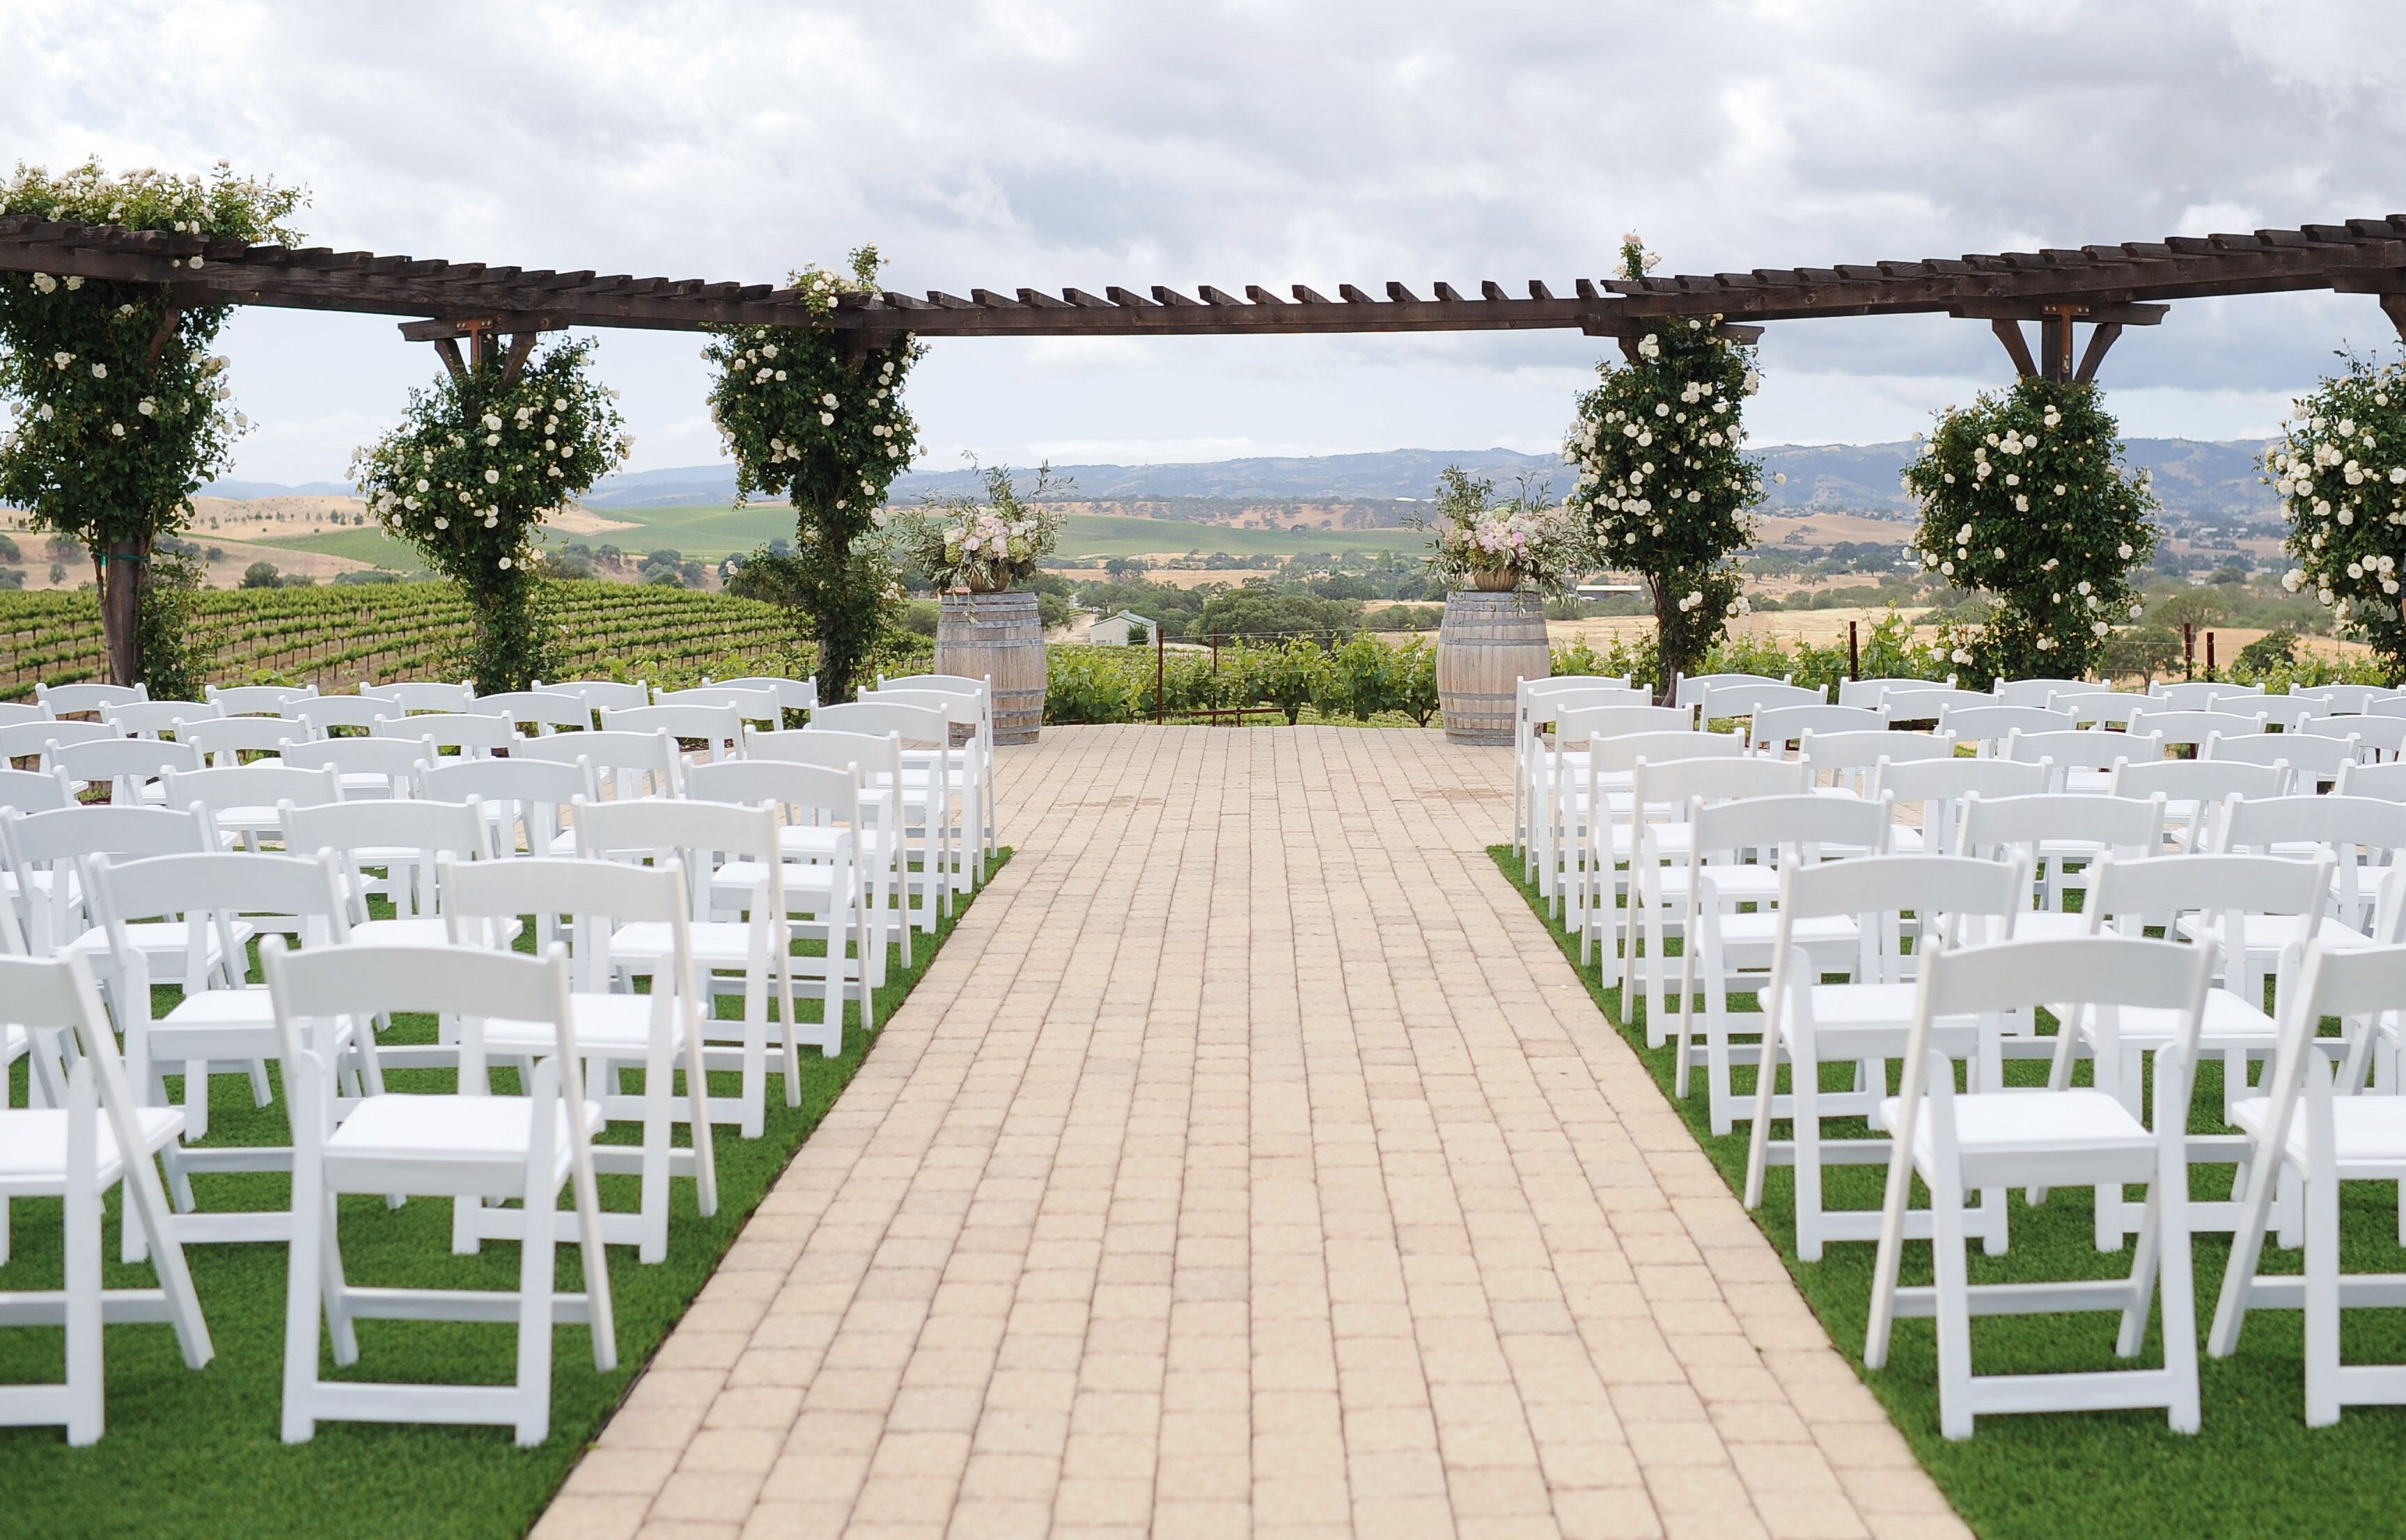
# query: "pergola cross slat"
{"type": "Point", "coordinates": [2107, 288]}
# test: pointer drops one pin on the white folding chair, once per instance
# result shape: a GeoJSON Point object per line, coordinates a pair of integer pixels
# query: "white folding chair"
{"type": "Point", "coordinates": [883, 850]}
{"type": "Point", "coordinates": [2362, 835]}
{"type": "Point", "coordinates": [802, 694]}
{"type": "Point", "coordinates": [2333, 700]}
{"type": "Point", "coordinates": [245, 801]}
{"type": "Point", "coordinates": [130, 767]}
{"type": "Point", "coordinates": [224, 740]}
{"type": "Point", "coordinates": [409, 838]}
{"type": "Point", "coordinates": [258, 699]}
{"type": "Point", "coordinates": [1987, 728]}
{"type": "Point", "coordinates": [971, 767]}
{"type": "Point", "coordinates": [28, 739]}
{"type": "Point", "coordinates": [1596, 825]}
{"type": "Point", "coordinates": [322, 713]}
{"type": "Point", "coordinates": [150, 718]}
{"type": "Point", "coordinates": [1776, 727]}
{"type": "Point", "coordinates": [548, 711]}
{"type": "Point", "coordinates": [2052, 832]}
{"type": "Point", "coordinates": [1920, 701]}
{"type": "Point", "coordinates": [2039, 692]}
{"type": "Point", "coordinates": [1537, 702]}
{"type": "Point", "coordinates": [94, 1137]}
{"type": "Point", "coordinates": [928, 783]}
{"type": "Point", "coordinates": [45, 852]}
{"type": "Point", "coordinates": [720, 728]}
{"type": "Point", "coordinates": [2195, 790]}
{"type": "Point", "coordinates": [1728, 946]}
{"type": "Point", "coordinates": [425, 695]}
{"type": "Point", "coordinates": [367, 768]}
{"type": "Point", "coordinates": [600, 694]}
{"type": "Point", "coordinates": [459, 1146]}
{"type": "Point", "coordinates": [1562, 781]}
{"type": "Point", "coordinates": [527, 798]}
{"type": "Point", "coordinates": [2194, 729]}
{"type": "Point", "coordinates": [2195, 695]}
{"type": "Point", "coordinates": [625, 765]}
{"type": "Point", "coordinates": [224, 1022]}
{"type": "Point", "coordinates": [1926, 795]}
{"type": "Point", "coordinates": [1722, 702]}
{"type": "Point", "coordinates": [1864, 1021]}
{"type": "Point", "coordinates": [2094, 707]}
{"type": "Point", "coordinates": [2314, 760]}
{"type": "Point", "coordinates": [1959, 1142]}
{"type": "Point", "coordinates": [1850, 759]}
{"type": "Point", "coordinates": [69, 700]}
{"type": "Point", "coordinates": [2385, 781]}
{"type": "Point", "coordinates": [659, 1033]}
{"type": "Point", "coordinates": [2309, 1133]}
{"type": "Point", "coordinates": [466, 733]}
{"type": "Point", "coordinates": [821, 832]}
{"type": "Point", "coordinates": [1689, 690]}
{"type": "Point", "coordinates": [763, 706]}
{"type": "Point", "coordinates": [2084, 760]}
{"type": "Point", "coordinates": [758, 944]}
{"type": "Point", "coordinates": [2375, 738]}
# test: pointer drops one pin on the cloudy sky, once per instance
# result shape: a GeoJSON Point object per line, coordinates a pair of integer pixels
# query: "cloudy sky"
{"type": "Point", "coordinates": [1090, 142]}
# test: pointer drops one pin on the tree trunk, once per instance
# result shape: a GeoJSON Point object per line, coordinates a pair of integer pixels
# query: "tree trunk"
{"type": "Point", "coordinates": [1666, 641]}
{"type": "Point", "coordinates": [122, 567]}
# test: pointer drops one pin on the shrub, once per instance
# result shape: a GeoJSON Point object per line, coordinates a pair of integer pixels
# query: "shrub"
{"type": "Point", "coordinates": [1362, 680]}
{"type": "Point", "coordinates": [1080, 686]}
{"type": "Point", "coordinates": [1416, 680]}
{"type": "Point", "coordinates": [1289, 677]}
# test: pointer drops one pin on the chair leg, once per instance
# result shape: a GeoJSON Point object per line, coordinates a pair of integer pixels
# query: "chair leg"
{"type": "Point", "coordinates": [537, 1262]}
{"type": "Point", "coordinates": [304, 1298]}
{"type": "Point", "coordinates": [653, 1203]}
{"type": "Point", "coordinates": [82, 1218]}
{"type": "Point", "coordinates": [2322, 1299]}
{"type": "Point", "coordinates": [1954, 1317]}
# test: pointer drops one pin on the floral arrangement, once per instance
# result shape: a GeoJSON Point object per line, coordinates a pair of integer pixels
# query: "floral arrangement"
{"type": "Point", "coordinates": [468, 475]}
{"type": "Point", "coordinates": [984, 547]}
{"type": "Point", "coordinates": [2339, 470]}
{"type": "Point", "coordinates": [1665, 485]}
{"type": "Point", "coordinates": [1483, 543]}
{"type": "Point", "coordinates": [120, 413]}
{"type": "Point", "coordinates": [2024, 499]}
{"type": "Point", "coordinates": [817, 414]}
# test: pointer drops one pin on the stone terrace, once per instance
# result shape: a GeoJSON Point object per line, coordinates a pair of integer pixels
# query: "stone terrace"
{"type": "Point", "coordinates": [1250, 1163]}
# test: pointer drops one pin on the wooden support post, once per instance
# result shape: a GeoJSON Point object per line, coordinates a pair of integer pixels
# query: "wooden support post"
{"type": "Point", "coordinates": [1629, 347]}
{"type": "Point", "coordinates": [1160, 672]}
{"type": "Point", "coordinates": [1854, 652]}
{"type": "Point", "coordinates": [2101, 338]}
{"type": "Point", "coordinates": [522, 345]}
{"type": "Point", "coordinates": [448, 349]}
{"type": "Point", "coordinates": [2394, 306]}
{"type": "Point", "coordinates": [480, 345]}
{"type": "Point", "coordinates": [2209, 655]}
{"type": "Point", "coordinates": [169, 319]}
{"type": "Point", "coordinates": [2017, 346]}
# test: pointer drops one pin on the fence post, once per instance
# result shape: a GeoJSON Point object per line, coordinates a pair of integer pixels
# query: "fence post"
{"type": "Point", "coordinates": [2209, 655]}
{"type": "Point", "coordinates": [1854, 652]}
{"type": "Point", "coordinates": [2188, 649]}
{"type": "Point", "coordinates": [1160, 668]}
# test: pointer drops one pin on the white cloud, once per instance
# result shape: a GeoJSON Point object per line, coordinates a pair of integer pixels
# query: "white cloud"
{"type": "Point", "coordinates": [1086, 142]}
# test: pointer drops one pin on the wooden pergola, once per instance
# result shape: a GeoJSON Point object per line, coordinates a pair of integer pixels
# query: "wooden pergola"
{"type": "Point", "coordinates": [2105, 287]}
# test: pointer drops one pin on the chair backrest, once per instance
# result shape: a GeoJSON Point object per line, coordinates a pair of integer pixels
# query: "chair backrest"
{"type": "Point", "coordinates": [34, 791]}
{"type": "Point", "coordinates": [1801, 824]}
{"type": "Point", "coordinates": [2059, 974]}
{"type": "Point", "coordinates": [1679, 785]}
{"type": "Point", "coordinates": [73, 833]}
{"type": "Point", "coordinates": [802, 694]}
{"type": "Point", "coordinates": [721, 727]}
{"type": "Point", "coordinates": [535, 793]}
{"type": "Point", "coordinates": [2195, 695]}
{"type": "Point", "coordinates": [2086, 749]}
{"type": "Point", "coordinates": [2137, 894]}
{"type": "Point", "coordinates": [224, 788]}
{"type": "Point", "coordinates": [425, 695]}
{"type": "Point", "coordinates": [2091, 706]}
{"type": "Point", "coordinates": [2036, 692]}
{"type": "Point", "coordinates": [150, 719]}
{"type": "Point", "coordinates": [613, 893]}
{"type": "Point", "coordinates": [1776, 727]}
{"type": "Point", "coordinates": [2007, 826]}
{"type": "Point", "coordinates": [1620, 754]}
{"type": "Point", "coordinates": [911, 724]}
{"type": "Point", "coordinates": [2205, 785]}
{"type": "Point", "coordinates": [1723, 702]}
{"type": "Point", "coordinates": [28, 738]}
{"type": "Point", "coordinates": [1989, 726]}
{"type": "Point", "coordinates": [825, 793]}
{"type": "Point", "coordinates": [2385, 781]}
{"type": "Point", "coordinates": [1551, 705]}
{"type": "Point", "coordinates": [214, 888]}
{"type": "Point", "coordinates": [2304, 752]}
{"type": "Point", "coordinates": [2357, 986]}
{"type": "Point", "coordinates": [127, 763]}
{"type": "Point", "coordinates": [636, 764]}
{"type": "Point", "coordinates": [2363, 836]}
{"type": "Point", "coordinates": [226, 739]}
{"type": "Point", "coordinates": [963, 708]}
{"type": "Point", "coordinates": [1913, 701]}
{"type": "Point", "coordinates": [1693, 688]}
{"type": "Point", "coordinates": [1582, 723]}
{"type": "Point", "coordinates": [752, 705]}
{"type": "Point", "coordinates": [953, 681]}
{"type": "Point", "coordinates": [399, 760]}
{"type": "Point", "coordinates": [68, 699]}
{"type": "Point", "coordinates": [1940, 786]}
{"type": "Point", "coordinates": [1849, 751]}
{"type": "Point", "coordinates": [427, 829]}
{"type": "Point", "coordinates": [57, 998]}
{"type": "Point", "coordinates": [13, 713]}
{"type": "Point", "coordinates": [2193, 728]}
{"type": "Point", "coordinates": [879, 759]}
{"type": "Point", "coordinates": [258, 699]}
{"type": "Point", "coordinates": [1868, 692]}
{"type": "Point", "coordinates": [322, 713]}
{"type": "Point", "coordinates": [1955, 900]}
{"type": "Point", "coordinates": [466, 732]}
{"type": "Point", "coordinates": [694, 833]}
{"type": "Point", "coordinates": [547, 709]}
{"type": "Point", "coordinates": [602, 694]}
{"type": "Point", "coordinates": [2383, 734]}
{"type": "Point", "coordinates": [2335, 699]}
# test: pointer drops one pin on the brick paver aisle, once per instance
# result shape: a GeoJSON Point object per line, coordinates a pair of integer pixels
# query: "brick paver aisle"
{"type": "Point", "coordinates": [1250, 1163]}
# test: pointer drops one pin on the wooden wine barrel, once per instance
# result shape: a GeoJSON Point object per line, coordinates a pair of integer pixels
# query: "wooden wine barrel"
{"type": "Point", "coordinates": [998, 637]}
{"type": "Point", "coordinates": [1489, 644]}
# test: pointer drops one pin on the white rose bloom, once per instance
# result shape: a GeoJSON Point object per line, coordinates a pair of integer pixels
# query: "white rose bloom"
{"type": "Point", "coordinates": [503, 564]}
{"type": "Point", "coordinates": [100, 371]}
{"type": "Point", "coordinates": [441, 523]}
{"type": "Point", "coordinates": [492, 423]}
{"type": "Point", "coordinates": [492, 476]}
{"type": "Point", "coordinates": [2123, 550]}
{"type": "Point", "coordinates": [559, 404]}
{"type": "Point", "coordinates": [827, 420]}
{"type": "Point", "coordinates": [2099, 628]}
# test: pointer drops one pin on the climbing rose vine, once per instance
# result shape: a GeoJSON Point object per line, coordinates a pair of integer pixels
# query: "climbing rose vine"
{"type": "Point", "coordinates": [2341, 474]}
{"type": "Point", "coordinates": [120, 411]}
{"type": "Point", "coordinates": [1664, 480]}
{"type": "Point", "coordinates": [2024, 501]}
{"type": "Point", "coordinates": [817, 414]}
{"type": "Point", "coordinates": [470, 475]}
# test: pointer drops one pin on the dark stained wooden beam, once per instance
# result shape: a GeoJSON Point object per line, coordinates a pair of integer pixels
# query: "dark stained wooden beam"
{"type": "Point", "coordinates": [521, 347]}
{"type": "Point", "coordinates": [2101, 339]}
{"type": "Point", "coordinates": [448, 349]}
{"type": "Point", "coordinates": [2016, 346]}
{"type": "Point", "coordinates": [2394, 306]}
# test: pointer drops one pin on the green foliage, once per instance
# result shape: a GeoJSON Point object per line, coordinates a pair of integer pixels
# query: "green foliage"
{"type": "Point", "coordinates": [262, 575]}
{"type": "Point", "coordinates": [468, 476]}
{"type": "Point", "coordinates": [1081, 686]}
{"type": "Point", "coordinates": [1363, 677]}
{"type": "Point", "coordinates": [2341, 474]}
{"type": "Point", "coordinates": [1664, 481]}
{"type": "Point", "coordinates": [1252, 612]}
{"type": "Point", "coordinates": [2024, 499]}
{"type": "Point", "coordinates": [807, 417]}
{"type": "Point", "coordinates": [1524, 539]}
{"type": "Point", "coordinates": [121, 412]}
{"type": "Point", "coordinates": [176, 661]}
{"type": "Point", "coordinates": [2271, 651]}
{"type": "Point", "coordinates": [1289, 677]}
{"type": "Point", "coordinates": [1416, 680]}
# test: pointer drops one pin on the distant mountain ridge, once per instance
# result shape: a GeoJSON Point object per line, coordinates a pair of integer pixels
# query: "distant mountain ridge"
{"type": "Point", "coordinates": [2198, 478]}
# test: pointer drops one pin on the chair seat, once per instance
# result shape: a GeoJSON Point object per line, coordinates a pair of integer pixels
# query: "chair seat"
{"type": "Point", "coordinates": [444, 1131]}
{"type": "Point", "coordinates": [1761, 927]}
{"type": "Point", "coordinates": [800, 880]}
{"type": "Point", "coordinates": [2230, 1022]}
{"type": "Point", "coordinates": [419, 930]}
{"type": "Point", "coordinates": [619, 1026]}
{"type": "Point", "coordinates": [33, 1147]}
{"type": "Point", "coordinates": [169, 939]}
{"type": "Point", "coordinates": [1730, 881]}
{"type": "Point", "coordinates": [2272, 932]}
{"type": "Point", "coordinates": [2086, 1129]}
{"type": "Point", "coordinates": [2367, 1133]}
{"type": "Point", "coordinates": [716, 943]}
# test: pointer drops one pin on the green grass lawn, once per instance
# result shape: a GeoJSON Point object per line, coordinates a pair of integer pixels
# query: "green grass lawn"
{"type": "Point", "coordinates": [198, 1454]}
{"type": "Point", "coordinates": [2254, 1469]}
{"type": "Point", "coordinates": [373, 546]}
